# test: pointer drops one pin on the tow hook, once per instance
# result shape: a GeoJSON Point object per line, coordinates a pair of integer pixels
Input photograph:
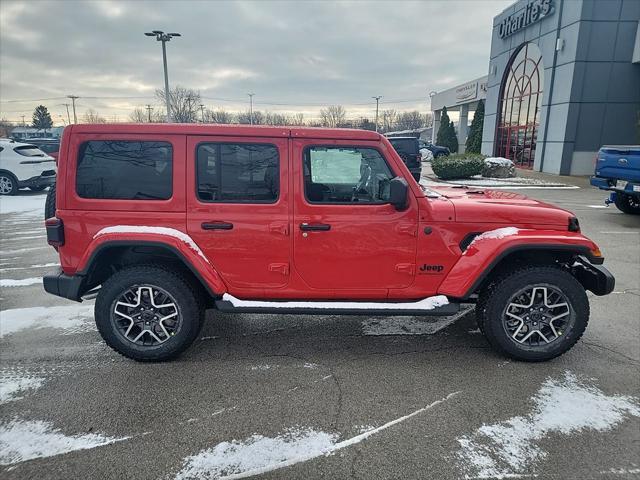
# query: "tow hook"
{"type": "Point", "coordinates": [611, 199]}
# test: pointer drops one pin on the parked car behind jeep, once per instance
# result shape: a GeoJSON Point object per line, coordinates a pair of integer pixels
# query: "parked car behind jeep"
{"type": "Point", "coordinates": [436, 150]}
{"type": "Point", "coordinates": [160, 222]}
{"type": "Point", "coordinates": [617, 169]}
{"type": "Point", "coordinates": [24, 165]}
{"type": "Point", "coordinates": [409, 151]}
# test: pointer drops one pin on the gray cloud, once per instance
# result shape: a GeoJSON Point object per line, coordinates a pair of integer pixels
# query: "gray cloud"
{"type": "Point", "coordinates": [296, 53]}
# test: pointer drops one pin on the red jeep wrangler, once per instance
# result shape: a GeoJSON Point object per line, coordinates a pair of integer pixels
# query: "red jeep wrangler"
{"type": "Point", "coordinates": [161, 222]}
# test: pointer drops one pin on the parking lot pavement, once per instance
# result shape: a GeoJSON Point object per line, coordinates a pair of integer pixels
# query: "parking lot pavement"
{"type": "Point", "coordinates": [315, 396]}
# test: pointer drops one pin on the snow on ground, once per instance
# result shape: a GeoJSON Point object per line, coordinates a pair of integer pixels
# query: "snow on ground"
{"type": "Point", "coordinates": [566, 406]}
{"type": "Point", "coordinates": [259, 454]}
{"type": "Point", "coordinates": [13, 384]}
{"type": "Point", "coordinates": [516, 183]}
{"type": "Point", "coordinates": [22, 440]}
{"type": "Point", "coordinates": [498, 161]}
{"type": "Point", "coordinates": [24, 282]}
{"type": "Point", "coordinates": [68, 318]}
{"type": "Point", "coordinates": [428, 303]}
{"type": "Point", "coordinates": [408, 325]}
{"type": "Point", "coordinates": [25, 204]}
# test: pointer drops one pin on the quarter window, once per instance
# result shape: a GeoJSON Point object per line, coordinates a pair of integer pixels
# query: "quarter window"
{"type": "Point", "coordinates": [238, 172]}
{"type": "Point", "coordinates": [125, 170]}
{"type": "Point", "coordinates": [346, 175]}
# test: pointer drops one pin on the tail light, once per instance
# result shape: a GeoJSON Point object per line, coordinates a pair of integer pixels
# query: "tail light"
{"type": "Point", "coordinates": [55, 232]}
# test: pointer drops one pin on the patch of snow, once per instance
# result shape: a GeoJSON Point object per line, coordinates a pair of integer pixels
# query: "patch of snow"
{"type": "Point", "coordinates": [428, 303]}
{"type": "Point", "coordinates": [26, 204]}
{"type": "Point", "coordinates": [12, 384]}
{"type": "Point", "coordinates": [259, 454]}
{"type": "Point", "coordinates": [26, 440]}
{"type": "Point", "coordinates": [426, 154]}
{"type": "Point", "coordinates": [496, 234]}
{"type": "Point", "coordinates": [69, 318]}
{"type": "Point", "coordinates": [565, 406]}
{"type": "Point", "coordinates": [9, 282]}
{"type": "Point", "coordinates": [505, 162]}
{"type": "Point", "coordinates": [169, 232]}
{"type": "Point", "coordinates": [310, 365]}
{"type": "Point", "coordinates": [408, 325]}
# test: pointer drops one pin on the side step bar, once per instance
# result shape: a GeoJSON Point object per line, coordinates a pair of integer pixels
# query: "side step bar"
{"type": "Point", "coordinates": [438, 305]}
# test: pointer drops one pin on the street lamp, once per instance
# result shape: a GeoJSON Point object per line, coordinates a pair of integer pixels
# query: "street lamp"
{"type": "Point", "coordinates": [164, 38]}
{"type": "Point", "coordinates": [377, 99]}
{"type": "Point", "coordinates": [432, 93]}
{"type": "Point", "coordinates": [251, 107]}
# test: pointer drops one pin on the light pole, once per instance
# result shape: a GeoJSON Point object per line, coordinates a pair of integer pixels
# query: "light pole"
{"type": "Point", "coordinates": [68, 116]}
{"type": "Point", "coordinates": [164, 38]}
{"type": "Point", "coordinates": [73, 101]}
{"type": "Point", "coordinates": [377, 103]}
{"type": "Point", "coordinates": [149, 108]}
{"type": "Point", "coordinates": [433, 116]}
{"type": "Point", "coordinates": [251, 107]}
{"type": "Point", "coordinates": [202, 111]}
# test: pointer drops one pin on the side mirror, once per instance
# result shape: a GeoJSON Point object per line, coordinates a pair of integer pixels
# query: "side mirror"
{"type": "Point", "coordinates": [399, 193]}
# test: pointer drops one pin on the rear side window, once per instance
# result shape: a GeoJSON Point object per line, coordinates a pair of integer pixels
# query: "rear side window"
{"type": "Point", "coordinates": [29, 151]}
{"type": "Point", "coordinates": [125, 170]}
{"type": "Point", "coordinates": [238, 172]}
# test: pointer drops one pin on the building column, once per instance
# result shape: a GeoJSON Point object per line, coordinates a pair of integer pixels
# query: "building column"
{"type": "Point", "coordinates": [437, 115]}
{"type": "Point", "coordinates": [462, 127]}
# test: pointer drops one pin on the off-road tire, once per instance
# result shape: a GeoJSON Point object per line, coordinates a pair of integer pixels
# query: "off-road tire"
{"type": "Point", "coordinates": [495, 298]}
{"type": "Point", "coordinates": [628, 203]}
{"type": "Point", "coordinates": [190, 305]}
{"type": "Point", "coordinates": [50, 203]}
{"type": "Point", "coordinates": [14, 182]}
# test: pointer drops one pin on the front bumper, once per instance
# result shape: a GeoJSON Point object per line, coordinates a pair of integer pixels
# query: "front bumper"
{"type": "Point", "coordinates": [62, 285]}
{"type": "Point", "coordinates": [45, 179]}
{"type": "Point", "coordinates": [594, 278]}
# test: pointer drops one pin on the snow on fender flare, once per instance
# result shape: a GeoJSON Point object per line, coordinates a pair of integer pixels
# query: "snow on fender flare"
{"type": "Point", "coordinates": [176, 240]}
{"type": "Point", "coordinates": [489, 248]}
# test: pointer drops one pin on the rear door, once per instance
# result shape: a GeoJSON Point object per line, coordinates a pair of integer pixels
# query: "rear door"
{"type": "Point", "coordinates": [347, 237]}
{"type": "Point", "coordinates": [237, 208]}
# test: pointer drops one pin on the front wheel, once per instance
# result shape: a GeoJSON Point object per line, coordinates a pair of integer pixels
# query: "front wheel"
{"type": "Point", "coordinates": [534, 314]}
{"type": "Point", "coordinates": [148, 313]}
{"type": "Point", "coordinates": [628, 203]}
{"type": "Point", "coordinates": [8, 183]}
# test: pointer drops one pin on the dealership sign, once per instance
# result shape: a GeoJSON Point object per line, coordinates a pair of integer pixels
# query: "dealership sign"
{"type": "Point", "coordinates": [534, 11]}
{"type": "Point", "coordinates": [469, 91]}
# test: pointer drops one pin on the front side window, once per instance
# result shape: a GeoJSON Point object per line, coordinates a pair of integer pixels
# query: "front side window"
{"type": "Point", "coordinates": [238, 172]}
{"type": "Point", "coordinates": [346, 175]}
{"type": "Point", "coordinates": [125, 170]}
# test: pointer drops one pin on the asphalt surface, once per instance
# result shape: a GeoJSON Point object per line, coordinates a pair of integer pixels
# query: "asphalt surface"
{"type": "Point", "coordinates": [271, 383]}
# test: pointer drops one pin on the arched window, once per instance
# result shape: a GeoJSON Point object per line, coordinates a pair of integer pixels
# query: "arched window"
{"type": "Point", "coordinates": [520, 100]}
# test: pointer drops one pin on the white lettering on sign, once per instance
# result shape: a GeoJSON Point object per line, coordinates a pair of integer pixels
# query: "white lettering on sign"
{"type": "Point", "coordinates": [534, 11]}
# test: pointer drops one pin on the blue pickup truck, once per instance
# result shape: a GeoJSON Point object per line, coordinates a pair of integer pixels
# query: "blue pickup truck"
{"type": "Point", "coordinates": [618, 170]}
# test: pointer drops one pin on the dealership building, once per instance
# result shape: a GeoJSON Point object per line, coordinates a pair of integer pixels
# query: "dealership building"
{"type": "Point", "coordinates": [563, 79]}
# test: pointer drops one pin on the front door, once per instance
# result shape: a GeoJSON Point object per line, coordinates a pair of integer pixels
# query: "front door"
{"type": "Point", "coordinates": [346, 234]}
{"type": "Point", "coordinates": [237, 209]}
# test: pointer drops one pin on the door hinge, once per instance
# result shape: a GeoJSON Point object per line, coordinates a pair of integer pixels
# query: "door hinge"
{"type": "Point", "coordinates": [409, 268]}
{"type": "Point", "coordinates": [281, 268]}
{"type": "Point", "coordinates": [281, 228]}
{"type": "Point", "coordinates": [408, 228]}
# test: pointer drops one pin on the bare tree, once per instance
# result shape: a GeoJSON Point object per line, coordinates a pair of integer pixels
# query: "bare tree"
{"type": "Point", "coordinates": [276, 119]}
{"type": "Point", "coordinates": [138, 115]}
{"type": "Point", "coordinates": [91, 116]}
{"type": "Point", "coordinates": [185, 103]}
{"type": "Point", "coordinates": [245, 117]}
{"type": "Point", "coordinates": [389, 120]}
{"type": "Point", "coordinates": [298, 119]}
{"type": "Point", "coordinates": [218, 116]}
{"type": "Point", "coordinates": [333, 116]}
{"type": "Point", "coordinates": [145, 115]}
{"type": "Point", "coordinates": [410, 120]}
{"type": "Point", "coordinates": [364, 123]}
{"type": "Point", "coordinates": [6, 127]}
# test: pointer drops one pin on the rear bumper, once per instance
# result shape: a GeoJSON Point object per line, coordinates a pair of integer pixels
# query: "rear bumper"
{"type": "Point", "coordinates": [594, 278]}
{"type": "Point", "coordinates": [42, 180]}
{"type": "Point", "coordinates": [611, 184]}
{"type": "Point", "coordinates": [62, 285]}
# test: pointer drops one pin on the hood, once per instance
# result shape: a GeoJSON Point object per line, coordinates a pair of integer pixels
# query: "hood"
{"type": "Point", "coordinates": [475, 205]}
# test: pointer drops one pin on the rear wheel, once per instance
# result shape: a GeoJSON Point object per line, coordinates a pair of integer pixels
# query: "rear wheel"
{"type": "Point", "coordinates": [534, 314]}
{"type": "Point", "coordinates": [8, 183]}
{"type": "Point", "coordinates": [628, 203]}
{"type": "Point", "coordinates": [148, 313]}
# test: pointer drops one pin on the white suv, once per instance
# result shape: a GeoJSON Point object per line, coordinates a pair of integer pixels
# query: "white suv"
{"type": "Point", "coordinates": [23, 165]}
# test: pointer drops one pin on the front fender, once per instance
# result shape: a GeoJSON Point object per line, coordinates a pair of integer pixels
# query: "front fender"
{"type": "Point", "coordinates": [483, 254]}
{"type": "Point", "coordinates": [178, 242]}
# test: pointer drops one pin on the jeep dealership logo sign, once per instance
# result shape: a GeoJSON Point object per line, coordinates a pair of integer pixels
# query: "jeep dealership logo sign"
{"type": "Point", "coordinates": [534, 11]}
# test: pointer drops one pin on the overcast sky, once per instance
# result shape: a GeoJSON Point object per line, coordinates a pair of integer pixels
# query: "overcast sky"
{"type": "Point", "coordinates": [299, 54]}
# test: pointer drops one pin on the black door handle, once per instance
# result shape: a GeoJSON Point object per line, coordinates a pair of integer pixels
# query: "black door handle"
{"type": "Point", "coordinates": [314, 227]}
{"type": "Point", "coordinates": [217, 226]}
